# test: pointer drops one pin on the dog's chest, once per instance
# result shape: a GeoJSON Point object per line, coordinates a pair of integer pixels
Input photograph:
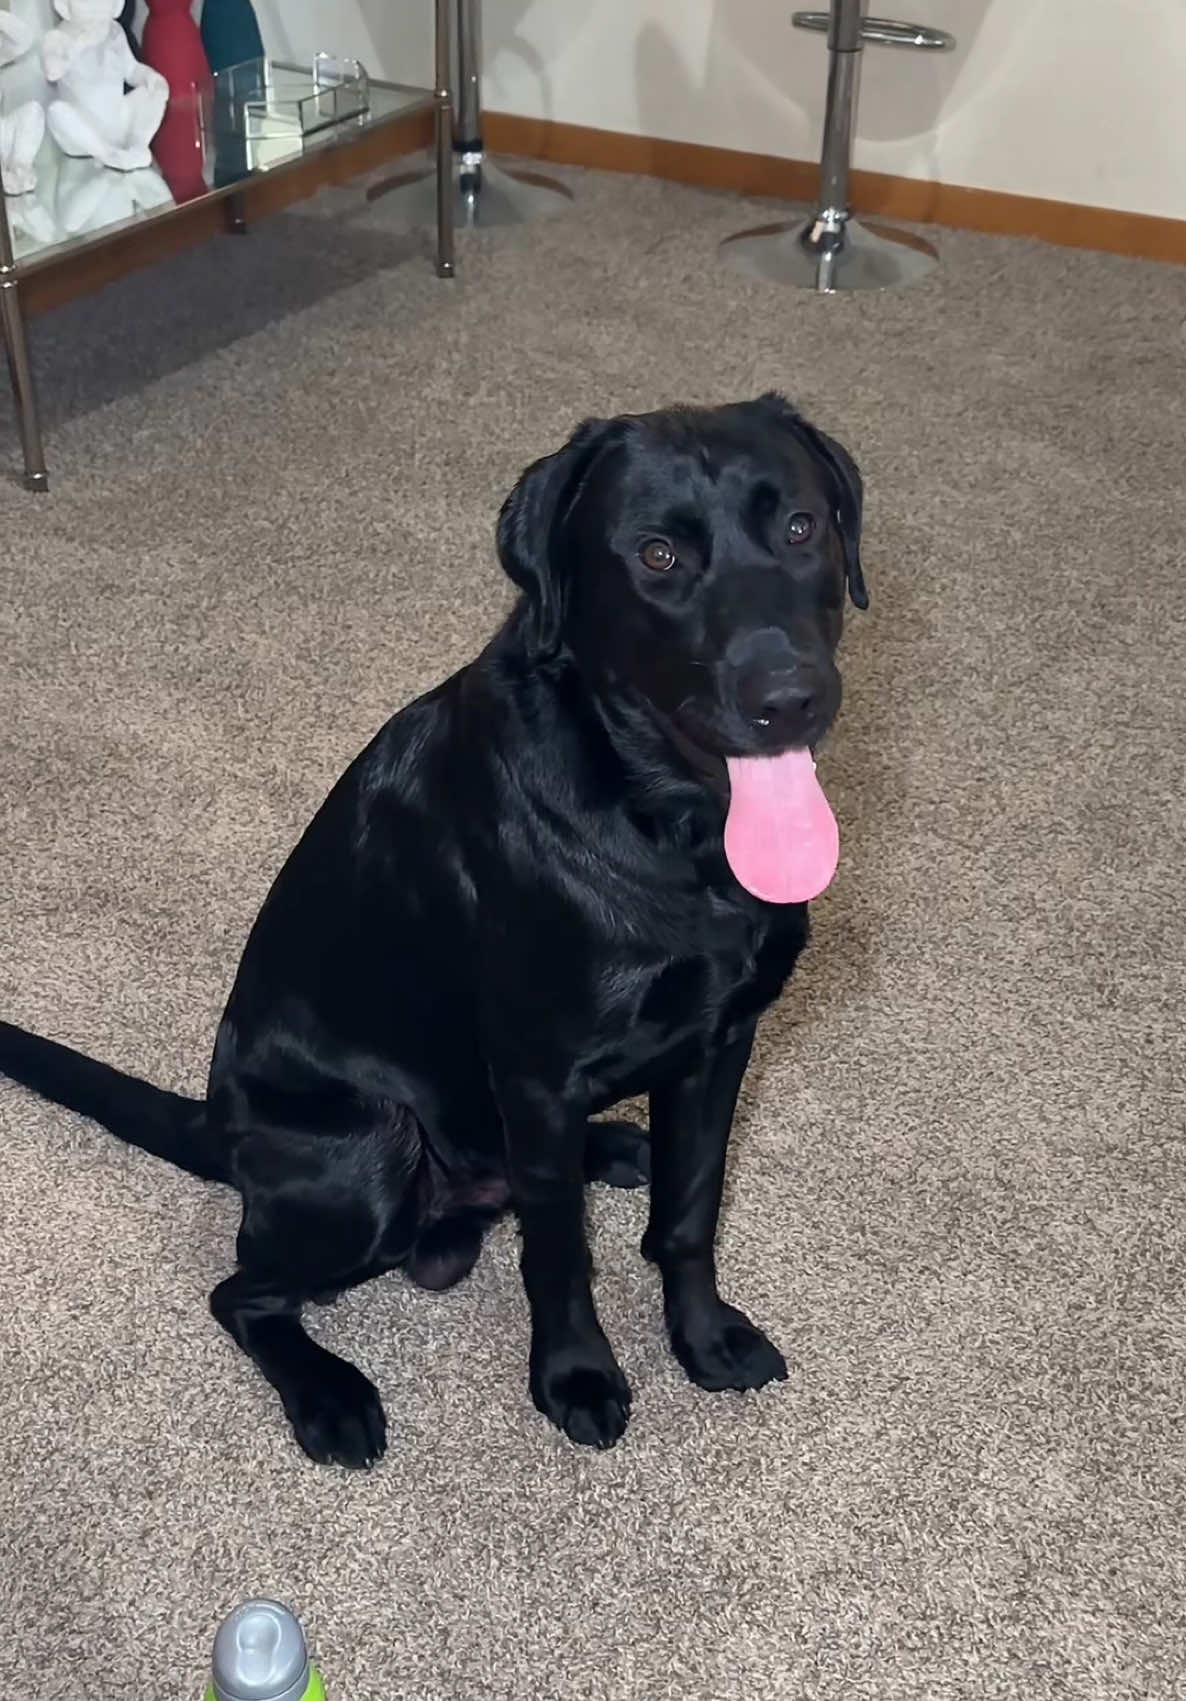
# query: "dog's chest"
{"type": "Point", "coordinates": [674, 1008]}
{"type": "Point", "coordinates": [737, 965]}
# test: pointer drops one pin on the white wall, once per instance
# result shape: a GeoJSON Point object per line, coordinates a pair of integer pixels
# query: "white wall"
{"type": "Point", "coordinates": [393, 38]}
{"type": "Point", "coordinates": [1079, 100]}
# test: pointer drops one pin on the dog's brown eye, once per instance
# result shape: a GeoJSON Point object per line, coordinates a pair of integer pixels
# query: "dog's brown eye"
{"type": "Point", "coordinates": [800, 527]}
{"type": "Point", "coordinates": [657, 555]}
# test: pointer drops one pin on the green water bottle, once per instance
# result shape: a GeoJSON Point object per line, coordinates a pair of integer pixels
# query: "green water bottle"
{"type": "Point", "coordinates": [260, 1655]}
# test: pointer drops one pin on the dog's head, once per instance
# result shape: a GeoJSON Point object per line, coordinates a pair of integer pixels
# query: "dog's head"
{"type": "Point", "coordinates": [698, 558]}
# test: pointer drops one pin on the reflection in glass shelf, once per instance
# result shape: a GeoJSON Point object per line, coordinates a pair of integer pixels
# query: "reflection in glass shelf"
{"type": "Point", "coordinates": [74, 197]}
{"type": "Point", "coordinates": [30, 223]}
{"type": "Point", "coordinates": [91, 196]}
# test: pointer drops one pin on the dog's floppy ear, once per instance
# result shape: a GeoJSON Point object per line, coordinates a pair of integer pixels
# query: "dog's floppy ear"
{"type": "Point", "coordinates": [530, 520]}
{"type": "Point", "coordinates": [847, 488]}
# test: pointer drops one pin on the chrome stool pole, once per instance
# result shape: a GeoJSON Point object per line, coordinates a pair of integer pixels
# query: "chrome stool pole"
{"type": "Point", "coordinates": [484, 193]}
{"type": "Point", "coordinates": [832, 250]}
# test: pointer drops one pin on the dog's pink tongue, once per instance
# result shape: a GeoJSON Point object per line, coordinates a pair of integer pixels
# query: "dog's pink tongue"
{"type": "Point", "coordinates": [781, 837]}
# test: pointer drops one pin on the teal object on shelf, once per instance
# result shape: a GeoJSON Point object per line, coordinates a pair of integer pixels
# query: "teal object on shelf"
{"type": "Point", "coordinates": [230, 33]}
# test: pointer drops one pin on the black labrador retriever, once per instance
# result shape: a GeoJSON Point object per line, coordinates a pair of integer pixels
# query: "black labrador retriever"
{"type": "Point", "coordinates": [575, 872]}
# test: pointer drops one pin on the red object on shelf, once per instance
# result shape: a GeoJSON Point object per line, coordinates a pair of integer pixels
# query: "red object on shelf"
{"type": "Point", "coordinates": [172, 44]}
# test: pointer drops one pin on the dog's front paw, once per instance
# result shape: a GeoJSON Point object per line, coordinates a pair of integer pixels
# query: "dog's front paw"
{"type": "Point", "coordinates": [721, 1348]}
{"type": "Point", "coordinates": [588, 1399]}
{"type": "Point", "coordinates": [337, 1415]}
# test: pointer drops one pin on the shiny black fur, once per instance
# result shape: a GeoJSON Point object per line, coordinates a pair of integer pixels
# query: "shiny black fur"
{"type": "Point", "coordinates": [513, 911]}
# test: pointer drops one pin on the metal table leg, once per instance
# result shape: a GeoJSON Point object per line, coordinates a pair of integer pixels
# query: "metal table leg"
{"type": "Point", "coordinates": [444, 143]}
{"type": "Point", "coordinates": [484, 193]}
{"type": "Point", "coordinates": [16, 347]}
{"type": "Point", "coordinates": [832, 250]}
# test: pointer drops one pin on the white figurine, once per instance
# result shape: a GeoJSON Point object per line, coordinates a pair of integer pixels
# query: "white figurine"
{"type": "Point", "coordinates": [16, 37]}
{"type": "Point", "coordinates": [88, 57]}
{"type": "Point", "coordinates": [22, 129]}
{"type": "Point", "coordinates": [20, 139]}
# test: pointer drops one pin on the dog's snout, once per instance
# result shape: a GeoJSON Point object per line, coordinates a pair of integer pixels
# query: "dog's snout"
{"type": "Point", "coordinates": [789, 695]}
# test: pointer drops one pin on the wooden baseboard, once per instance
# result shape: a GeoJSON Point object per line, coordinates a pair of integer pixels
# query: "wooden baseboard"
{"type": "Point", "coordinates": [1066, 223]}
{"type": "Point", "coordinates": [1063, 222]}
{"type": "Point", "coordinates": [143, 245]}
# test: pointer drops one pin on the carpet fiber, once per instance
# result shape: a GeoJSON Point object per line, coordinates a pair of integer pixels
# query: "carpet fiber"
{"type": "Point", "coordinates": [956, 1194]}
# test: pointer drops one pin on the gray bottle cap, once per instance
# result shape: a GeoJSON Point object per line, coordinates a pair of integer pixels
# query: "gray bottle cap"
{"type": "Point", "coordinates": [260, 1655]}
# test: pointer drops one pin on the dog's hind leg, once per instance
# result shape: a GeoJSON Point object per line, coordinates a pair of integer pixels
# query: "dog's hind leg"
{"type": "Point", "coordinates": [449, 1242]}
{"type": "Point", "coordinates": [318, 1213]}
{"type": "Point", "coordinates": [618, 1153]}
{"type": "Point", "coordinates": [335, 1411]}
{"type": "Point", "coordinates": [447, 1250]}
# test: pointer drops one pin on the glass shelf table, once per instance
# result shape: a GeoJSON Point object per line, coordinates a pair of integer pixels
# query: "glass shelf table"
{"type": "Point", "coordinates": [79, 204]}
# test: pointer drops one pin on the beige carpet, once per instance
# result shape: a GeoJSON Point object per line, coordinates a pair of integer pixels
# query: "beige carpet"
{"type": "Point", "coordinates": [957, 1193]}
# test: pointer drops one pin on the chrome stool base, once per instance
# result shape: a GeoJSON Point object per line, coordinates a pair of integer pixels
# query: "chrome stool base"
{"type": "Point", "coordinates": [832, 251]}
{"type": "Point", "coordinates": [826, 257]}
{"type": "Point", "coordinates": [484, 194]}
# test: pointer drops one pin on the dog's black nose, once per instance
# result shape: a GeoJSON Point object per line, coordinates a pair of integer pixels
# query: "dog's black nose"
{"type": "Point", "coordinates": [779, 697]}
{"type": "Point", "coordinates": [789, 701]}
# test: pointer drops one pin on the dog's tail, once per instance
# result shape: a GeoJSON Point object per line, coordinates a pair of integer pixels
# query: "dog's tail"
{"type": "Point", "coordinates": [165, 1124]}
